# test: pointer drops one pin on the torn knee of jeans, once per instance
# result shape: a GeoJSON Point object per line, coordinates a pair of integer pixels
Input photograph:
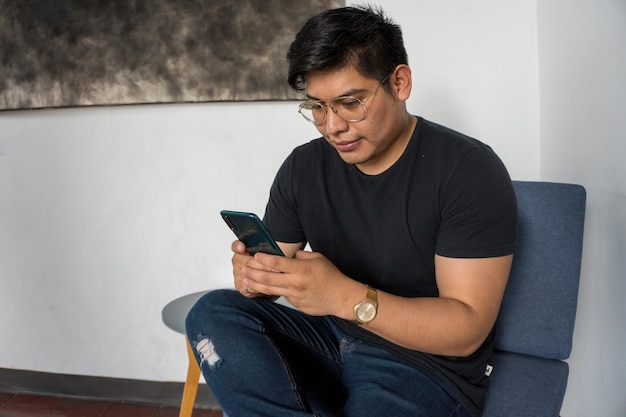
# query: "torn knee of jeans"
{"type": "Point", "coordinates": [207, 353]}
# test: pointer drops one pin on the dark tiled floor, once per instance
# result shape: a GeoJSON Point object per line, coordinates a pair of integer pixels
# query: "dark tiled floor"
{"type": "Point", "coordinates": [29, 405]}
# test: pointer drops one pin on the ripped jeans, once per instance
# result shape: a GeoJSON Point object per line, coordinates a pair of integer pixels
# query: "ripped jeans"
{"type": "Point", "coordinates": [260, 358]}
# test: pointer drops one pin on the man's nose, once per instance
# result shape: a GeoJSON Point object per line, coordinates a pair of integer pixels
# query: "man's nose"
{"type": "Point", "coordinates": [334, 122]}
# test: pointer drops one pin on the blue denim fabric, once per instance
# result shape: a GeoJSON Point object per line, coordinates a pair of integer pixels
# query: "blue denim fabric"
{"type": "Point", "coordinates": [263, 359]}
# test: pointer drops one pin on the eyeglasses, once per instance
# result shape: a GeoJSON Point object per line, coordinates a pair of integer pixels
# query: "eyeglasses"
{"type": "Point", "coordinates": [350, 109]}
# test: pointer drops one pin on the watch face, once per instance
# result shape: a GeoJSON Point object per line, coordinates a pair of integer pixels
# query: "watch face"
{"type": "Point", "coordinates": [366, 311]}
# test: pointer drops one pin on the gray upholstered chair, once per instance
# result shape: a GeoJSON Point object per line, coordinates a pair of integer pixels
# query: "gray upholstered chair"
{"type": "Point", "coordinates": [536, 322]}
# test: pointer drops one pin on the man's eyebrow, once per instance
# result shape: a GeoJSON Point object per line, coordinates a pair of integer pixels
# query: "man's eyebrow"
{"type": "Point", "coordinates": [351, 92]}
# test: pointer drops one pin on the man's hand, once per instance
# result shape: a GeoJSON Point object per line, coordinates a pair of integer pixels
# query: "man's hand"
{"type": "Point", "coordinates": [241, 258]}
{"type": "Point", "coordinates": [309, 281]}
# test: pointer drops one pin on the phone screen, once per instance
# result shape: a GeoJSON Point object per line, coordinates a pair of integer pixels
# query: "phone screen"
{"type": "Point", "coordinates": [251, 231]}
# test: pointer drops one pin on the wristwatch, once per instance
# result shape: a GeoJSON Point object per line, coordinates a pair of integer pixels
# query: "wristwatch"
{"type": "Point", "coordinates": [365, 311]}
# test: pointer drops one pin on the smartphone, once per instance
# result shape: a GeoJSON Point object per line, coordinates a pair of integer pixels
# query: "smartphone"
{"type": "Point", "coordinates": [250, 230]}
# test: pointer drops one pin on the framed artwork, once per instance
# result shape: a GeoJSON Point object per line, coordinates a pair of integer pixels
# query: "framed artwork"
{"type": "Point", "coordinates": [65, 53]}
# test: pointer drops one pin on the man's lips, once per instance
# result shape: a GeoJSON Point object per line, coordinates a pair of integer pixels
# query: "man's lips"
{"type": "Point", "coordinates": [346, 146]}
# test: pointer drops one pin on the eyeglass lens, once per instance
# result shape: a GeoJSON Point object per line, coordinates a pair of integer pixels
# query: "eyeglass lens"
{"type": "Point", "coordinates": [351, 109]}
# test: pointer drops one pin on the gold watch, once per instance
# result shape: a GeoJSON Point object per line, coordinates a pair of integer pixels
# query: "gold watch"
{"type": "Point", "coordinates": [365, 311]}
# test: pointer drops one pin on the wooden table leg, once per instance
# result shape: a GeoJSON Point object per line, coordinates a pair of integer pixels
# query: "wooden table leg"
{"type": "Point", "coordinates": [191, 384]}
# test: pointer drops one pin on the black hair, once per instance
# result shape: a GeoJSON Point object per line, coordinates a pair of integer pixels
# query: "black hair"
{"type": "Point", "coordinates": [363, 37]}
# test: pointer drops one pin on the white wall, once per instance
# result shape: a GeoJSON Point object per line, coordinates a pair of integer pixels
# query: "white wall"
{"type": "Point", "coordinates": [108, 213]}
{"type": "Point", "coordinates": [582, 50]}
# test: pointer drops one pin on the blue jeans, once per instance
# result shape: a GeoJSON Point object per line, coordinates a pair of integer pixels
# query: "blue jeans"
{"type": "Point", "coordinates": [263, 359]}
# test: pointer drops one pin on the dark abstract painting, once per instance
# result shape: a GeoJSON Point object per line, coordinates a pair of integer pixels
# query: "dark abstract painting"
{"type": "Point", "coordinates": [58, 53]}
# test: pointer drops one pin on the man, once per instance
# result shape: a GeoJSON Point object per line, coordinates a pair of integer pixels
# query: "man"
{"type": "Point", "coordinates": [412, 227]}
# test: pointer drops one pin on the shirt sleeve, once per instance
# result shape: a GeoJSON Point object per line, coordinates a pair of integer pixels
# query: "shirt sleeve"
{"type": "Point", "coordinates": [478, 208]}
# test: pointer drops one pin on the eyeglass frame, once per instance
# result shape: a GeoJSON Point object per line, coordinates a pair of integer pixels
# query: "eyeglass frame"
{"type": "Point", "coordinates": [362, 102]}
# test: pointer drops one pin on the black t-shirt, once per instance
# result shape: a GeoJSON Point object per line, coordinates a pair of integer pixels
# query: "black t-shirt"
{"type": "Point", "coordinates": [448, 194]}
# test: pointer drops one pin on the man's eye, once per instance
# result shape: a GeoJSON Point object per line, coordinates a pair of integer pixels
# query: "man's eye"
{"type": "Point", "coordinates": [316, 106]}
{"type": "Point", "coordinates": [350, 103]}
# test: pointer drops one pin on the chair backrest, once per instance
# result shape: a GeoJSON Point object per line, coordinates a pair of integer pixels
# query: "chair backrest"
{"type": "Point", "coordinates": [539, 305]}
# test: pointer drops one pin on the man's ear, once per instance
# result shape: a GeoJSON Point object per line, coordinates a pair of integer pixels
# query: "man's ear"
{"type": "Point", "coordinates": [401, 82]}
